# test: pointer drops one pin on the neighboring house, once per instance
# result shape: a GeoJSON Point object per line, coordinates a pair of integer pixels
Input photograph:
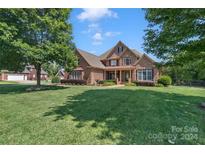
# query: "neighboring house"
{"type": "Point", "coordinates": [61, 74]}
{"type": "Point", "coordinates": [119, 63]}
{"type": "Point", "coordinates": [29, 73]}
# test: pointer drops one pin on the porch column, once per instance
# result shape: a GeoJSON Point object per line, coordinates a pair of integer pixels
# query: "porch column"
{"type": "Point", "coordinates": [130, 78]}
{"type": "Point", "coordinates": [116, 79]}
{"type": "Point", "coordinates": [120, 76]}
{"type": "Point", "coordinates": [104, 75]}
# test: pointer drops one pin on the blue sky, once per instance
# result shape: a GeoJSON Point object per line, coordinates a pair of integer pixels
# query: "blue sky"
{"type": "Point", "coordinates": [97, 30]}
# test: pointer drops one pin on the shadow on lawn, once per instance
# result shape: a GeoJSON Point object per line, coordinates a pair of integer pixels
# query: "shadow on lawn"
{"type": "Point", "coordinates": [18, 88]}
{"type": "Point", "coordinates": [132, 116]}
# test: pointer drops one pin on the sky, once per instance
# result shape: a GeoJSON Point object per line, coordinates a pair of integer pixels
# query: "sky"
{"type": "Point", "coordinates": [97, 30]}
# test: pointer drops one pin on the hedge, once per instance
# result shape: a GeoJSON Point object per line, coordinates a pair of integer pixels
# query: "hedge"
{"type": "Point", "coordinates": [103, 81]}
{"type": "Point", "coordinates": [75, 82]}
{"type": "Point", "coordinates": [107, 82]}
{"type": "Point", "coordinates": [144, 83]}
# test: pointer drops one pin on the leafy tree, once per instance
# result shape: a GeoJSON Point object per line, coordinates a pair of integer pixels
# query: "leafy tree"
{"type": "Point", "coordinates": [176, 35]}
{"type": "Point", "coordinates": [190, 71]}
{"type": "Point", "coordinates": [52, 68]}
{"type": "Point", "coordinates": [36, 36]}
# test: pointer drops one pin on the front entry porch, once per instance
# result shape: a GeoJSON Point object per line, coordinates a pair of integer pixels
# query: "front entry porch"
{"type": "Point", "coordinates": [121, 76]}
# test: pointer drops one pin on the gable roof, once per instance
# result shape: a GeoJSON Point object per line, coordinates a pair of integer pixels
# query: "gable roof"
{"type": "Point", "coordinates": [95, 61]}
{"type": "Point", "coordinates": [43, 72]}
{"type": "Point", "coordinates": [136, 52]}
{"type": "Point", "coordinates": [108, 52]}
{"type": "Point", "coordinates": [61, 72]}
{"type": "Point", "coordinates": [91, 59]}
{"type": "Point", "coordinates": [105, 54]}
{"type": "Point", "coordinates": [26, 71]}
{"type": "Point", "coordinates": [144, 56]}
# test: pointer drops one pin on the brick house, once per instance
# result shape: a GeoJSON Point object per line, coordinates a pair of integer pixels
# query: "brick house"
{"type": "Point", "coordinates": [119, 63]}
{"type": "Point", "coordinates": [29, 73]}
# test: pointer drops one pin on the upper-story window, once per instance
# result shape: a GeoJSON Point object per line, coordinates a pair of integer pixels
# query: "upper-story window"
{"type": "Point", "coordinates": [119, 49]}
{"type": "Point", "coordinates": [127, 61]}
{"type": "Point", "coordinates": [113, 62]}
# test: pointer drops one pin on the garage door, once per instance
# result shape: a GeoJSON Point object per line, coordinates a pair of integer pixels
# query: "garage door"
{"type": "Point", "coordinates": [15, 77]}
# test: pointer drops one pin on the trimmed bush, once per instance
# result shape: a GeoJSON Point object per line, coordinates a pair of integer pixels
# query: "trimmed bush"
{"type": "Point", "coordinates": [159, 85]}
{"type": "Point", "coordinates": [74, 82]}
{"type": "Point", "coordinates": [138, 83]}
{"type": "Point", "coordinates": [107, 82]}
{"type": "Point", "coordinates": [130, 84]}
{"type": "Point", "coordinates": [55, 79]}
{"type": "Point", "coordinates": [103, 81]}
{"type": "Point", "coordinates": [165, 80]}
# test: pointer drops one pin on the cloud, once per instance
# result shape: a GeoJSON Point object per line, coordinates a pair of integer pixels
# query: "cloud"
{"type": "Point", "coordinates": [112, 34]}
{"type": "Point", "coordinates": [96, 14]}
{"type": "Point", "coordinates": [97, 39]}
{"type": "Point", "coordinates": [93, 27]}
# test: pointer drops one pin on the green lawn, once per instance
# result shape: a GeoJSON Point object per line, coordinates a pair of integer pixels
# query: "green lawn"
{"type": "Point", "coordinates": [90, 115]}
{"type": "Point", "coordinates": [8, 82]}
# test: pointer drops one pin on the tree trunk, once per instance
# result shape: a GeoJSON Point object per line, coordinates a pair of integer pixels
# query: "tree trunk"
{"type": "Point", "coordinates": [38, 75]}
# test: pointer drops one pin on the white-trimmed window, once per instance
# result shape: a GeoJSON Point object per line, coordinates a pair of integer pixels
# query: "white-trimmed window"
{"type": "Point", "coordinates": [127, 61]}
{"type": "Point", "coordinates": [75, 75]}
{"type": "Point", "coordinates": [113, 62]}
{"type": "Point", "coordinates": [145, 75]}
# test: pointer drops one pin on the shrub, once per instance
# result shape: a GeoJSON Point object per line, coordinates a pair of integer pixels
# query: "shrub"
{"type": "Point", "coordinates": [75, 82]}
{"type": "Point", "coordinates": [55, 79]}
{"type": "Point", "coordinates": [159, 85]}
{"type": "Point", "coordinates": [165, 80]}
{"type": "Point", "coordinates": [103, 81]}
{"type": "Point", "coordinates": [135, 82]}
{"type": "Point", "coordinates": [138, 83]}
{"type": "Point", "coordinates": [108, 83]}
{"type": "Point", "coordinates": [130, 84]}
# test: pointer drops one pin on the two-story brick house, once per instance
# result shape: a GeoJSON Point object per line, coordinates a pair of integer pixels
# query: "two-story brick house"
{"type": "Point", "coordinates": [119, 63]}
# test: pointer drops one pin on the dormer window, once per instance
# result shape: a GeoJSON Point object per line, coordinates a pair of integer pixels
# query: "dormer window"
{"type": "Point", "coordinates": [120, 49]}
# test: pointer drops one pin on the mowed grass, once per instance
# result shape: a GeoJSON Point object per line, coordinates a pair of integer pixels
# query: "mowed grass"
{"type": "Point", "coordinates": [95, 115]}
{"type": "Point", "coordinates": [8, 82]}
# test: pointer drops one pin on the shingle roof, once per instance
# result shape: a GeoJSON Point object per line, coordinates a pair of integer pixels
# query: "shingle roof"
{"type": "Point", "coordinates": [95, 61]}
{"type": "Point", "coordinates": [137, 52]}
{"type": "Point", "coordinates": [43, 72]}
{"type": "Point", "coordinates": [26, 71]}
{"type": "Point", "coordinates": [104, 55]}
{"type": "Point", "coordinates": [91, 59]}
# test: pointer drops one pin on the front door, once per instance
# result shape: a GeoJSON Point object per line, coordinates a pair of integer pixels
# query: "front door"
{"type": "Point", "coordinates": [125, 76]}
